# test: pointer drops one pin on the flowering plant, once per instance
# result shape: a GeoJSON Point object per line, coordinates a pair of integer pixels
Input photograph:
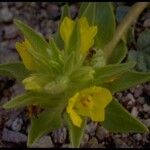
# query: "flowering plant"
{"type": "Point", "coordinates": [75, 74]}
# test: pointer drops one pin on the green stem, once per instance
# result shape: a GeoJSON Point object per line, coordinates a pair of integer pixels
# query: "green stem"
{"type": "Point", "coordinates": [133, 14]}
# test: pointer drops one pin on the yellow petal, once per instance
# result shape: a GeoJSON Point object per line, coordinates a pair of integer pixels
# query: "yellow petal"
{"type": "Point", "coordinates": [66, 29]}
{"type": "Point", "coordinates": [98, 115]}
{"type": "Point", "coordinates": [25, 56]}
{"type": "Point", "coordinates": [76, 119]}
{"type": "Point", "coordinates": [87, 35]}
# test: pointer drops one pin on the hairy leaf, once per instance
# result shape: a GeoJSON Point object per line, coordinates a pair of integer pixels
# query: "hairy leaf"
{"type": "Point", "coordinates": [47, 121]}
{"type": "Point", "coordinates": [119, 120]}
{"type": "Point", "coordinates": [16, 70]}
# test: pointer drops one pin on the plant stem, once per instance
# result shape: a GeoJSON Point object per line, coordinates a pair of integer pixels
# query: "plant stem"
{"type": "Point", "coordinates": [133, 14]}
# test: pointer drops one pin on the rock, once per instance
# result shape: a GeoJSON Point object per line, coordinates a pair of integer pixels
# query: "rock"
{"type": "Point", "coordinates": [53, 11]}
{"type": "Point", "coordinates": [137, 137]}
{"type": "Point", "coordinates": [17, 124]}
{"type": "Point", "coordinates": [91, 128]}
{"type": "Point", "coordinates": [100, 146]}
{"type": "Point", "coordinates": [146, 122]}
{"type": "Point", "coordinates": [66, 146]}
{"type": "Point", "coordinates": [44, 142]}
{"type": "Point", "coordinates": [59, 136]}
{"type": "Point", "coordinates": [120, 144]}
{"type": "Point", "coordinates": [141, 100]}
{"type": "Point", "coordinates": [138, 91]}
{"type": "Point", "coordinates": [84, 139]}
{"type": "Point", "coordinates": [9, 122]}
{"type": "Point", "coordinates": [147, 89]}
{"type": "Point", "coordinates": [146, 108]}
{"type": "Point", "coordinates": [5, 15]}
{"type": "Point", "coordinates": [119, 95]}
{"type": "Point", "coordinates": [101, 132]}
{"type": "Point", "coordinates": [134, 112]}
{"type": "Point", "coordinates": [73, 11]}
{"type": "Point", "coordinates": [10, 32]}
{"type": "Point", "coordinates": [14, 137]}
{"type": "Point", "coordinates": [130, 97]}
{"type": "Point", "coordinates": [146, 23]}
{"type": "Point", "coordinates": [17, 89]}
{"type": "Point", "coordinates": [92, 143]}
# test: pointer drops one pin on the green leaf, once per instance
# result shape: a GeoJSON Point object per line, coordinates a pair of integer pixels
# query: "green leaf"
{"type": "Point", "coordinates": [75, 133]}
{"type": "Point", "coordinates": [47, 121]}
{"type": "Point", "coordinates": [30, 98]}
{"type": "Point", "coordinates": [127, 80]}
{"type": "Point", "coordinates": [53, 51]}
{"type": "Point", "coordinates": [121, 12]}
{"type": "Point", "coordinates": [101, 15]}
{"type": "Point", "coordinates": [16, 70]}
{"type": "Point", "coordinates": [119, 53]}
{"type": "Point", "coordinates": [119, 120]}
{"type": "Point", "coordinates": [37, 41]}
{"type": "Point", "coordinates": [110, 72]}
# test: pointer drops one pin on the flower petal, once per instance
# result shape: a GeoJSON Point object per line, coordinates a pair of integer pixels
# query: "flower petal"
{"type": "Point", "coordinates": [25, 55]}
{"type": "Point", "coordinates": [66, 29]}
{"type": "Point", "coordinates": [87, 35]}
{"type": "Point", "coordinates": [98, 115]}
{"type": "Point", "coordinates": [76, 119]}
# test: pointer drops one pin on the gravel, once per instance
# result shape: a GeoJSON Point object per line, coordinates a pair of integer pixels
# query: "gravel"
{"type": "Point", "coordinates": [44, 17]}
{"type": "Point", "coordinates": [91, 128]}
{"type": "Point", "coordinates": [17, 124]}
{"type": "Point", "coordinates": [59, 136]}
{"type": "Point", "coordinates": [101, 132]}
{"type": "Point", "coordinates": [44, 142]}
{"type": "Point", "coordinates": [5, 15]}
{"type": "Point", "coordinates": [14, 137]}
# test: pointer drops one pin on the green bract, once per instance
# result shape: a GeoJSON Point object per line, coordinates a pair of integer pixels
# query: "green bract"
{"type": "Point", "coordinates": [76, 58]}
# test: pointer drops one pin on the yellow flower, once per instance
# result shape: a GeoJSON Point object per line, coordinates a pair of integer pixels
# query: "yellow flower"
{"type": "Point", "coordinates": [90, 102]}
{"type": "Point", "coordinates": [66, 29]}
{"type": "Point", "coordinates": [87, 33]}
{"type": "Point", "coordinates": [26, 57]}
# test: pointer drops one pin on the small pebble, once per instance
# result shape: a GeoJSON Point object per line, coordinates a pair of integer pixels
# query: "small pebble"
{"type": "Point", "coordinates": [146, 108]}
{"type": "Point", "coordinates": [92, 143]}
{"type": "Point", "coordinates": [66, 146]}
{"type": "Point", "coordinates": [44, 142]}
{"type": "Point", "coordinates": [146, 23]}
{"type": "Point", "coordinates": [59, 136]}
{"type": "Point", "coordinates": [5, 15]}
{"type": "Point", "coordinates": [17, 124]}
{"type": "Point", "coordinates": [101, 132]}
{"type": "Point", "coordinates": [14, 137]}
{"type": "Point", "coordinates": [91, 128]}
{"type": "Point", "coordinates": [11, 31]}
{"type": "Point", "coordinates": [138, 91]}
{"type": "Point", "coordinates": [120, 144]}
{"type": "Point", "coordinates": [134, 112]}
{"type": "Point", "coordinates": [84, 139]}
{"type": "Point", "coordinates": [137, 137]}
{"type": "Point", "coordinates": [146, 122]}
{"type": "Point", "coordinates": [141, 100]}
